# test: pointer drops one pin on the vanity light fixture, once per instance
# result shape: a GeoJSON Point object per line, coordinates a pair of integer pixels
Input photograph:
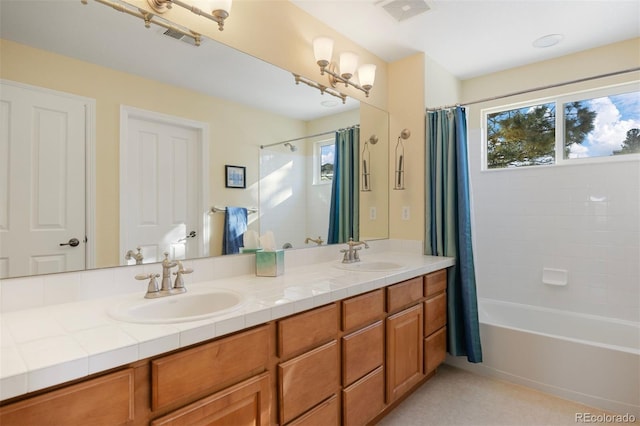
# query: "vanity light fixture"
{"type": "Point", "coordinates": [323, 89]}
{"type": "Point", "coordinates": [219, 8]}
{"type": "Point", "coordinates": [398, 178]}
{"type": "Point", "coordinates": [150, 18]}
{"type": "Point", "coordinates": [323, 51]}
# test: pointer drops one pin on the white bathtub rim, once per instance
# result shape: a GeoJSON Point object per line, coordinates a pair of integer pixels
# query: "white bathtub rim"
{"type": "Point", "coordinates": [617, 321]}
{"type": "Point", "coordinates": [591, 401]}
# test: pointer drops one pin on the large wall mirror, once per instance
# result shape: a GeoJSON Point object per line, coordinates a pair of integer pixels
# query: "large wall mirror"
{"type": "Point", "coordinates": [118, 66]}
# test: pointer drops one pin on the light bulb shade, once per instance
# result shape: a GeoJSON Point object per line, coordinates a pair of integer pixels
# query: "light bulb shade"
{"type": "Point", "coordinates": [348, 64]}
{"type": "Point", "coordinates": [322, 50]}
{"type": "Point", "coordinates": [367, 75]}
{"type": "Point", "coordinates": [219, 5]}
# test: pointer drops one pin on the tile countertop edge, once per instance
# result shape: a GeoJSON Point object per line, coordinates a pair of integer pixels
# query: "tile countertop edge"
{"type": "Point", "coordinates": [18, 380]}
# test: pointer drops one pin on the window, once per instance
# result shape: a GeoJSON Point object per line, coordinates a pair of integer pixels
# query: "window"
{"type": "Point", "coordinates": [324, 155]}
{"type": "Point", "coordinates": [598, 123]}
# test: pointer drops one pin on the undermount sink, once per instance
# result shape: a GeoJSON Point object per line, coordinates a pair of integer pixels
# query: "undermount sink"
{"type": "Point", "coordinates": [370, 266]}
{"type": "Point", "coordinates": [190, 306]}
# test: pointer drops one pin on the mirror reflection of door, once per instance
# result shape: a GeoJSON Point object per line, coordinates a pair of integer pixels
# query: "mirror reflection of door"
{"type": "Point", "coordinates": [161, 188]}
{"type": "Point", "coordinates": [42, 180]}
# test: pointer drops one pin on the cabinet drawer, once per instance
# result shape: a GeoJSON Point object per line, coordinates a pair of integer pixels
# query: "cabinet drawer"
{"type": "Point", "coordinates": [246, 403]}
{"type": "Point", "coordinates": [435, 350]}
{"type": "Point", "coordinates": [210, 367]}
{"type": "Point", "coordinates": [362, 352]}
{"type": "Point", "coordinates": [106, 400]}
{"type": "Point", "coordinates": [403, 294]}
{"type": "Point", "coordinates": [307, 330]}
{"type": "Point", "coordinates": [307, 380]}
{"type": "Point", "coordinates": [362, 310]}
{"type": "Point", "coordinates": [363, 400]}
{"type": "Point", "coordinates": [435, 282]}
{"type": "Point", "coordinates": [435, 313]}
{"type": "Point", "coordinates": [325, 414]}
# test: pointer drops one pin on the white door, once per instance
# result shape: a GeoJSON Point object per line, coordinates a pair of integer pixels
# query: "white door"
{"type": "Point", "coordinates": [42, 181]}
{"type": "Point", "coordinates": [161, 206]}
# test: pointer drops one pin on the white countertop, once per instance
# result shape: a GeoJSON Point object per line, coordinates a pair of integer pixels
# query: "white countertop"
{"type": "Point", "coordinates": [49, 345]}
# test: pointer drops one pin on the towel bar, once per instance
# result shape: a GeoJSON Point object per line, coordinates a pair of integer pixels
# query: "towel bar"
{"type": "Point", "coordinates": [215, 209]}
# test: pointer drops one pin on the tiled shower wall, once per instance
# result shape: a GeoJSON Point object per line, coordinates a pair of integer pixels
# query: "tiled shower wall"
{"type": "Point", "coordinates": [581, 219]}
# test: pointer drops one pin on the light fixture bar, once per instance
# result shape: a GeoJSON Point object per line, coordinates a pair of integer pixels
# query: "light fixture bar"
{"type": "Point", "coordinates": [148, 18]}
{"type": "Point", "coordinates": [337, 77]}
{"type": "Point", "coordinates": [323, 89]}
{"type": "Point", "coordinates": [218, 15]}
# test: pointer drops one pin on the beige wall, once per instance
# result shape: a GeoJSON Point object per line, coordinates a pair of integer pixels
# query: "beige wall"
{"type": "Point", "coordinates": [232, 141]}
{"type": "Point", "coordinates": [406, 109]}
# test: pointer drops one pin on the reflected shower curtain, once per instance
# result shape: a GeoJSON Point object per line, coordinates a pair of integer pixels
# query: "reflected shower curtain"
{"type": "Point", "coordinates": [448, 225]}
{"type": "Point", "coordinates": [344, 214]}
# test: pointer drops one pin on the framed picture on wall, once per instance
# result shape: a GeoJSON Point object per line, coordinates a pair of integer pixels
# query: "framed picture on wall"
{"type": "Point", "coordinates": [235, 176]}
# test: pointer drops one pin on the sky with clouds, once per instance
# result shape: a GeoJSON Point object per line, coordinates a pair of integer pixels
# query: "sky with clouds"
{"type": "Point", "coordinates": [615, 116]}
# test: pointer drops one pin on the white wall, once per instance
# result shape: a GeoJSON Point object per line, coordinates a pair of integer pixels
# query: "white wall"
{"type": "Point", "coordinates": [584, 218]}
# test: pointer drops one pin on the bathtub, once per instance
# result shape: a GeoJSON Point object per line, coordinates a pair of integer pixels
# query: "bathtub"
{"type": "Point", "coordinates": [584, 358]}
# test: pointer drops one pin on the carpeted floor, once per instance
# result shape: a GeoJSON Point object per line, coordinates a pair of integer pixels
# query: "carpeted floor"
{"type": "Point", "coordinates": [457, 397]}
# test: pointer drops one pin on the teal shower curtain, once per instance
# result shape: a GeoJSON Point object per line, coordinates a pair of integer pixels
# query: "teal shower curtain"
{"type": "Point", "coordinates": [344, 214]}
{"type": "Point", "coordinates": [448, 225]}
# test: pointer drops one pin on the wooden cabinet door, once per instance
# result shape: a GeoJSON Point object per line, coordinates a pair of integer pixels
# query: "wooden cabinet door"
{"type": "Point", "coordinates": [247, 403]}
{"type": "Point", "coordinates": [362, 352]}
{"type": "Point", "coordinates": [435, 350]}
{"type": "Point", "coordinates": [435, 313]}
{"type": "Point", "coordinates": [325, 414]}
{"type": "Point", "coordinates": [404, 344]}
{"type": "Point", "coordinates": [363, 400]}
{"type": "Point", "coordinates": [307, 380]}
{"type": "Point", "coordinates": [106, 400]}
{"type": "Point", "coordinates": [184, 376]}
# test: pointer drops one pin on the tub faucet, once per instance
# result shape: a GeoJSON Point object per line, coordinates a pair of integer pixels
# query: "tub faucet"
{"type": "Point", "coordinates": [351, 252]}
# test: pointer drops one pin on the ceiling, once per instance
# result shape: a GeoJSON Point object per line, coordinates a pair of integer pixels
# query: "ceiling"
{"type": "Point", "coordinates": [470, 38]}
{"type": "Point", "coordinates": [467, 37]}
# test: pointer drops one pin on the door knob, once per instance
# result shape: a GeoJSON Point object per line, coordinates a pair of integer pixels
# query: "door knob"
{"type": "Point", "coordinates": [72, 242]}
{"type": "Point", "coordinates": [192, 234]}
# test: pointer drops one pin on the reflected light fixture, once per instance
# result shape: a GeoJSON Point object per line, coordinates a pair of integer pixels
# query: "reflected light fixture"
{"type": "Point", "coordinates": [215, 10]}
{"type": "Point", "coordinates": [348, 66]}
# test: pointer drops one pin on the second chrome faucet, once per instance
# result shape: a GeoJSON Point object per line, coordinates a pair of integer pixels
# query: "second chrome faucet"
{"type": "Point", "coordinates": [165, 288]}
{"type": "Point", "coordinates": [351, 253]}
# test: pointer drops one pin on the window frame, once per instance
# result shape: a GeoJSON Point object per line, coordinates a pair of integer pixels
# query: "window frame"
{"type": "Point", "coordinates": [560, 101]}
{"type": "Point", "coordinates": [317, 161]}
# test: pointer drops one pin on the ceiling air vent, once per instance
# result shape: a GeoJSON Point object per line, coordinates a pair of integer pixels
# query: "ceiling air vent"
{"type": "Point", "coordinates": [401, 10]}
{"type": "Point", "coordinates": [179, 36]}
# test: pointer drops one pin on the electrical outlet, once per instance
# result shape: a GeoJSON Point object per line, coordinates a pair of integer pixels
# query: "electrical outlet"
{"type": "Point", "coordinates": [406, 212]}
{"type": "Point", "coordinates": [373, 213]}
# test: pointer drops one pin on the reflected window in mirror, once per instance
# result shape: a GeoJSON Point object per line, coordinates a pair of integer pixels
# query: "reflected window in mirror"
{"type": "Point", "coordinates": [323, 158]}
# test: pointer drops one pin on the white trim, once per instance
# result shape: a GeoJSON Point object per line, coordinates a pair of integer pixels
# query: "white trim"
{"type": "Point", "coordinates": [202, 128]}
{"type": "Point", "coordinates": [90, 163]}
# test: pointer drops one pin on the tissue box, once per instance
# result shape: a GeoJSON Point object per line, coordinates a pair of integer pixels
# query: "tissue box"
{"type": "Point", "coordinates": [269, 263]}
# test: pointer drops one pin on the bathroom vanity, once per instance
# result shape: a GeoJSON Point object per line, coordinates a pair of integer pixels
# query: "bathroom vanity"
{"type": "Point", "coordinates": [347, 361]}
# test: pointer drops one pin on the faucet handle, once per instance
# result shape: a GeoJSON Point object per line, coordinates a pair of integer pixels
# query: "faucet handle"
{"type": "Point", "coordinates": [153, 289]}
{"type": "Point", "coordinates": [178, 285]}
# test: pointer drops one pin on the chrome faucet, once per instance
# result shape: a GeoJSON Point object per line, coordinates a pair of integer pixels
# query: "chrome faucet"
{"type": "Point", "coordinates": [165, 289]}
{"type": "Point", "coordinates": [351, 253]}
{"type": "Point", "coordinates": [137, 256]}
{"type": "Point", "coordinates": [318, 241]}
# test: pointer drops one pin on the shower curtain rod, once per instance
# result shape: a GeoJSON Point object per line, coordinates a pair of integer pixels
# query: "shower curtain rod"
{"type": "Point", "coordinates": [550, 86]}
{"type": "Point", "coordinates": [310, 136]}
